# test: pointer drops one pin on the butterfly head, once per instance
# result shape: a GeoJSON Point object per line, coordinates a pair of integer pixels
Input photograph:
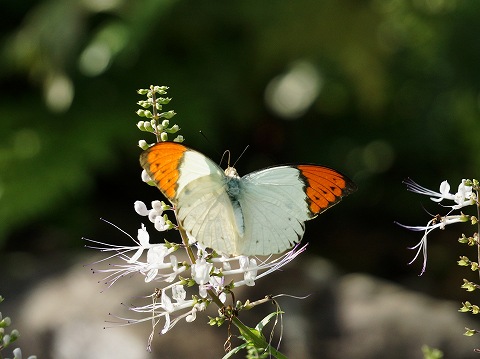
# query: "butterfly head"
{"type": "Point", "coordinates": [231, 172]}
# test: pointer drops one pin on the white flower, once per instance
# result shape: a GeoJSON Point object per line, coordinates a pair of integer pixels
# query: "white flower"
{"type": "Point", "coordinates": [178, 297]}
{"type": "Point", "coordinates": [155, 215]}
{"type": "Point", "coordinates": [436, 222]}
{"type": "Point", "coordinates": [201, 271]}
{"type": "Point", "coordinates": [463, 197]}
{"type": "Point", "coordinates": [249, 266]}
{"type": "Point", "coordinates": [144, 241]}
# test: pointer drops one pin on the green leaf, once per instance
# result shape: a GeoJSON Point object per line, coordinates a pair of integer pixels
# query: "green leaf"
{"type": "Point", "coordinates": [235, 351]}
{"type": "Point", "coordinates": [266, 320]}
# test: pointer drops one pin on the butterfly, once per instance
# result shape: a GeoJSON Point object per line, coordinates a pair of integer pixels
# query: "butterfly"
{"type": "Point", "coordinates": [261, 213]}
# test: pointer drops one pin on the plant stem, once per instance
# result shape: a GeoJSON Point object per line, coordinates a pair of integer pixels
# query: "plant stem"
{"type": "Point", "coordinates": [255, 339]}
{"type": "Point", "coordinates": [478, 229]}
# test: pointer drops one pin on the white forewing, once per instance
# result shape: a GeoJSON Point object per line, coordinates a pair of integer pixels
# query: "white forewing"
{"type": "Point", "coordinates": [194, 166]}
{"type": "Point", "coordinates": [204, 207]}
{"type": "Point", "coordinates": [274, 207]}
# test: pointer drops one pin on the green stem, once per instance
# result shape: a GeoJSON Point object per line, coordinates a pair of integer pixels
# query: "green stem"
{"type": "Point", "coordinates": [258, 342]}
{"type": "Point", "coordinates": [478, 230]}
{"type": "Point", "coordinates": [154, 110]}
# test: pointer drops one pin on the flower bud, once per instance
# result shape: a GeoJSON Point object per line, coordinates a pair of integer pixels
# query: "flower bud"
{"type": "Point", "coordinates": [161, 90]}
{"type": "Point", "coordinates": [163, 100]}
{"type": "Point", "coordinates": [14, 334]}
{"type": "Point", "coordinates": [465, 307]}
{"type": "Point", "coordinates": [5, 322]}
{"type": "Point", "coordinates": [168, 115]}
{"type": "Point", "coordinates": [470, 332]}
{"type": "Point", "coordinates": [143, 144]}
{"type": "Point", "coordinates": [164, 137]}
{"type": "Point", "coordinates": [146, 178]}
{"type": "Point", "coordinates": [17, 353]}
{"type": "Point", "coordinates": [6, 340]}
{"type": "Point", "coordinates": [147, 126]}
{"type": "Point", "coordinates": [144, 104]}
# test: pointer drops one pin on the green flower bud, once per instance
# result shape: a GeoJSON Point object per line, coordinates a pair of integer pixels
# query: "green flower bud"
{"type": "Point", "coordinates": [5, 322]}
{"type": "Point", "coordinates": [168, 115]}
{"type": "Point", "coordinates": [165, 123]}
{"type": "Point", "coordinates": [147, 126]}
{"type": "Point", "coordinates": [174, 128]}
{"type": "Point", "coordinates": [470, 332]}
{"type": "Point", "coordinates": [144, 104]}
{"type": "Point", "coordinates": [163, 100]}
{"type": "Point", "coordinates": [464, 261]}
{"type": "Point", "coordinates": [468, 286]}
{"type": "Point", "coordinates": [179, 138]}
{"type": "Point", "coordinates": [465, 308]}
{"type": "Point", "coordinates": [143, 145]}
{"type": "Point", "coordinates": [141, 113]}
{"type": "Point", "coordinates": [164, 136]}
{"type": "Point", "coordinates": [14, 335]}
{"type": "Point", "coordinates": [142, 91]}
{"type": "Point", "coordinates": [6, 340]}
{"type": "Point", "coordinates": [147, 113]}
{"type": "Point", "coordinates": [161, 90]}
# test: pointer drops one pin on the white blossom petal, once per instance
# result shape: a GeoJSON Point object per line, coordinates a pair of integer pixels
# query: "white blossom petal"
{"type": "Point", "coordinates": [141, 208]}
{"type": "Point", "coordinates": [178, 293]}
{"type": "Point", "coordinates": [157, 207]}
{"type": "Point", "coordinates": [145, 177]}
{"type": "Point", "coordinates": [160, 224]}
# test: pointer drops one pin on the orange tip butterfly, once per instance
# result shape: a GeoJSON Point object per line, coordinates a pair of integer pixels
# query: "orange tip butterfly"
{"type": "Point", "coordinates": [261, 213]}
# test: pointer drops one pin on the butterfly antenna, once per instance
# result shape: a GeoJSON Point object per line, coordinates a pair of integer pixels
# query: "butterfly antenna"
{"type": "Point", "coordinates": [241, 154]}
{"type": "Point", "coordinates": [204, 136]}
{"type": "Point", "coordinates": [224, 153]}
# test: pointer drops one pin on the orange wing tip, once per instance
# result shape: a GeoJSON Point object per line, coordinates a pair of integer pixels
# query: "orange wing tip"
{"type": "Point", "coordinates": [161, 162]}
{"type": "Point", "coordinates": [324, 187]}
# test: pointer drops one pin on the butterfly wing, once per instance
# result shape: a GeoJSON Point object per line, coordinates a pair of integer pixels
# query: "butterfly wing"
{"type": "Point", "coordinates": [260, 214]}
{"type": "Point", "coordinates": [196, 186]}
{"type": "Point", "coordinates": [277, 201]}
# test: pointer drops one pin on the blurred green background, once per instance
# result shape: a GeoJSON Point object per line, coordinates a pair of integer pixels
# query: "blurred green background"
{"type": "Point", "coordinates": [380, 90]}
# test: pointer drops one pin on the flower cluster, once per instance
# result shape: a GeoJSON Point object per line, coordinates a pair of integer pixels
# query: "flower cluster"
{"type": "Point", "coordinates": [466, 195]}
{"type": "Point", "coordinates": [208, 275]}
